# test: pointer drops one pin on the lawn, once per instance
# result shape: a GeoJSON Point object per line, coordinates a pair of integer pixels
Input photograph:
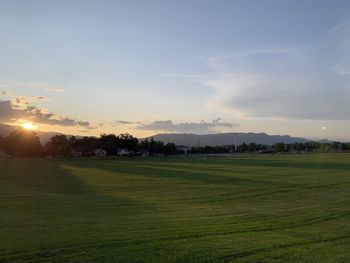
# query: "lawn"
{"type": "Point", "coordinates": [287, 208]}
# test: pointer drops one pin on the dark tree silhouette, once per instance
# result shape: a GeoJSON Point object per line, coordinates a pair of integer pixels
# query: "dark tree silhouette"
{"type": "Point", "coordinates": [127, 141]}
{"type": "Point", "coordinates": [58, 146]}
{"type": "Point", "coordinates": [109, 142]}
{"type": "Point", "coordinates": [22, 143]}
{"type": "Point", "coordinates": [85, 145]}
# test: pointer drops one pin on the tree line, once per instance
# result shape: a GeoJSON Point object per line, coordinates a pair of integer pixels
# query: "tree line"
{"type": "Point", "coordinates": [275, 148]}
{"type": "Point", "coordinates": [24, 143]}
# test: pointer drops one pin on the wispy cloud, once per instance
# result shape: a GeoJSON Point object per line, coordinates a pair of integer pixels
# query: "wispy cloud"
{"type": "Point", "coordinates": [340, 35]}
{"type": "Point", "coordinates": [269, 96]}
{"type": "Point", "coordinates": [21, 99]}
{"type": "Point", "coordinates": [288, 83]}
{"type": "Point", "coordinates": [37, 85]}
{"type": "Point", "coordinates": [55, 90]}
{"type": "Point", "coordinates": [30, 84]}
{"type": "Point", "coordinates": [125, 122]}
{"type": "Point", "coordinates": [187, 127]}
{"type": "Point", "coordinates": [181, 75]}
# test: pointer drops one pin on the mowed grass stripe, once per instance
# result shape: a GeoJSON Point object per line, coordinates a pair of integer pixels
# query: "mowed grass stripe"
{"type": "Point", "coordinates": [247, 209]}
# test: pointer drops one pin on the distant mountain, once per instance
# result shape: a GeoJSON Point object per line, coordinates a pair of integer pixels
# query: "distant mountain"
{"type": "Point", "coordinates": [5, 129]}
{"type": "Point", "coordinates": [193, 139]}
{"type": "Point", "coordinates": [226, 139]}
{"type": "Point", "coordinates": [325, 141]}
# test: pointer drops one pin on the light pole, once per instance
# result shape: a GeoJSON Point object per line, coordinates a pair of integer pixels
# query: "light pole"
{"type": "Point", "coordinates": [235, 125]}
{"type": "Point", "coordinates": [235, 141]}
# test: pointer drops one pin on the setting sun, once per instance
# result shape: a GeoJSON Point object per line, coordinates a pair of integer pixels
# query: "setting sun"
{"type": "Point", "coordinates": [29, 126]}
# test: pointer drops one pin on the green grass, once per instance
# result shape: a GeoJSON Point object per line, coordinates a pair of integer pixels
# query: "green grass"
{"type": "Point", "coordinates": [246, 209]}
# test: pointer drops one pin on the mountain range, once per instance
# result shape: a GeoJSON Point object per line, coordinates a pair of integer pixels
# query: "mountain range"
{"type": "Point", "coordinates": [189, 139]}
{"type": "Point", "coordinates": [226, 139]}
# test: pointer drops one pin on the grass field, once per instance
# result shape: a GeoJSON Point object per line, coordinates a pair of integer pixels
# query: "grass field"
{"type": "Point", "coordinates": [244, 209]}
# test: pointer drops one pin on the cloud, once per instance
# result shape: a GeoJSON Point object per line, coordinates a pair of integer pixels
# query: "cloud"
{"type": "Point", "coordinates": [55, 90]}
{"type": "Point", "coordinates": [21, 99]}
{"type": "Point", "coordinates": [30, 84]}
{"type": "Point", "coordinates": [187, 127]}
{"type": "Point", "coordinates": [11, 112]}
{"type": "Point", "coordinates": [180, 75]}
{"type": "Point", "coordinates": [124, 122]}
{"type": "Point", "coordinates": [237, 60]}
{"type": "Point", "coordinates": [340, 35]}
{"type": "Point", "coordinates": [37, 85]}
{"type": "Point", "coordinates": [287, 83]}
{"type": "Point", "coordinates": [269, 96]}
{"type": "Point", "coordinates": [5, 93]}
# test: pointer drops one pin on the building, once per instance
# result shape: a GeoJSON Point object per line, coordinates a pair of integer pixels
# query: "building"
{"type": "Point", "coordinates": [100, 153]}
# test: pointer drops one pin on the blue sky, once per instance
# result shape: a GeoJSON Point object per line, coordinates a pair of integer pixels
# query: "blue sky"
{"type": "Point", "coordinates": [87, 67]}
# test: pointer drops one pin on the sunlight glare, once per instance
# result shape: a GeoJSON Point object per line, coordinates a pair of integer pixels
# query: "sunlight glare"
{"type": "Point", "coordinates": [29, 126]}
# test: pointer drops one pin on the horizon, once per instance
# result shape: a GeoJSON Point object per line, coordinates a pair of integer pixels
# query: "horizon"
{"type": "Point", "coordinates": [175, 131]}
{"type": "Point", "coordinates": [200, 67]}
{"type": "Point", "coordinates": [44, 139]}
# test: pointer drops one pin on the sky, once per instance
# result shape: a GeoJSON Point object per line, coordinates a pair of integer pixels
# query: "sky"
{"type": "Point", "coordinates": [195, 66]}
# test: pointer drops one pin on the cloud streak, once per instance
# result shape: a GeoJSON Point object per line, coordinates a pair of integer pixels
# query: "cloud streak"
{"type": "Point", "coordinates": [37, 85]}
{"type": "Point", "coordinates": [55, 90]}
{"type": "Point", "coordinates": [187, 127]}
{"type": "Point", "coordinates": [123, 122]}
{"type": "Point", "coordinates": [21, 99]}
{"type": "Point", "coordinates": [11, 112]}
{"type": "Point", "coordinates": [291, 97]}
{"type": "Point", "coordinates": [285, 83]}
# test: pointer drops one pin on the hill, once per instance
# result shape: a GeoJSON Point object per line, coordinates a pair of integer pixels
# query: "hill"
{"type": "Point", "coordinates": [226, 139]}
{"type": "Point", "coordinates": [190, 139]}
{"type": "Point", "coordinates": [5, 129]}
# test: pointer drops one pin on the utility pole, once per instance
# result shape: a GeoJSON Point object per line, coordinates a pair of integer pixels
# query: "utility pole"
{"type": "Point", "coordinates": [235, 125]}
{"type": "Point", "coordinates": [235, 141]}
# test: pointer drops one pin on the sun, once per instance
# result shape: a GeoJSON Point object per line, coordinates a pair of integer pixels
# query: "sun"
{"type": "Point", "coordinates": [29, 126]}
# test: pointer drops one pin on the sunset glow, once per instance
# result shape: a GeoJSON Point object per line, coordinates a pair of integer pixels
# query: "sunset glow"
{"type": "Point", "coordinates": [29, 126]}
{"type": "Point", "coordinates": [173, 71]}
{"type": "Point", "coordinates": [175, 131]}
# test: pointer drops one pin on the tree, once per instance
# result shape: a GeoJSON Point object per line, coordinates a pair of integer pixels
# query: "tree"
{"type": "Point", "coordinates": [22, 143]}
{"type": "Point", "coordinates": [343, 147]}
{"type": "Point", "coordinates": [325, 147]}
{"type": "Point", "coordinates": [143, 145]}
{"type": "Point", "coordinates": [151, 146]}
{"type": "Point", "coordinates": [59, 146]}
{"type": "Point", "coordinates": [243, 147]}
{"type": "Point", "coordinates": [252, 147]}
{"type": "Point", "coordinates": [85, 145]}
{"type": "Point", "coordinates": [109, 142]}
{"type": "Point", "coordinates": [170, 148]}
{"type": "Point", "coordinates": [279, 147]}
{"type": "Point", "coordinates": [336, 146]}
{"type": "Point", "coordinates": [127, 141]}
